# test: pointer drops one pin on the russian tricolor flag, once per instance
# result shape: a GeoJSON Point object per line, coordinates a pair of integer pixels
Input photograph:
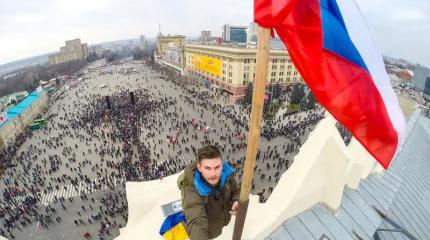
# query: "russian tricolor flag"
{"type": "Point", "coordinates": [332, 47]}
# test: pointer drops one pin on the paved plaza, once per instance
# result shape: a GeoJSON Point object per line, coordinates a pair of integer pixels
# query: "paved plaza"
{"type": "Point", "coordinates": [69, 177]}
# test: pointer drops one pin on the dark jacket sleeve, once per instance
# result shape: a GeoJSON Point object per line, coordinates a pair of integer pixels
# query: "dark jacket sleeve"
{"type": "Point", "coordinates": [235, 190]}
{"type": "Point", "coordinates": [195, 214]}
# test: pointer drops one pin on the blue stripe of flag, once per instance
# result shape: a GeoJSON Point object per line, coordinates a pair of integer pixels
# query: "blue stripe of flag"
{"type": "Point", "coordinates": [336, 37]}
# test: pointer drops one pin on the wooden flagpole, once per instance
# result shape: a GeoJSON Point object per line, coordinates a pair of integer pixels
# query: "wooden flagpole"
{"type": "Point", "coordinates": [263, 46]}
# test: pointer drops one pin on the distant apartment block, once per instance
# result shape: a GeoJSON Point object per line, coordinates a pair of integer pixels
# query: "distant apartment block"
{"type": "Point", "coordinates": [426, 92]}
{"type": "Point", "coordinates": [73, 50]}
{"type": "Point", "coordinates": [235, 34]}
{"type": "Point", "coordinates": [95, 50]}
{"type": "Point", "coordinates": [143, 42]}
{"type": "Point", "coordinates": [252, 33]}
{"type": "Point", "coordinates": [420, 76]}
{"type": "Point", "coordinates": [206, 36]}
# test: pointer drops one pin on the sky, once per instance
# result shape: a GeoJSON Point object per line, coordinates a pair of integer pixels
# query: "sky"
{"type": "Point", "coordinates": [29, 28]}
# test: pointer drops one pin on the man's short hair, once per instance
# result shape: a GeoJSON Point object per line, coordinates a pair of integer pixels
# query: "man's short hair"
{"type": "Point", "coordinates": [208, 152]}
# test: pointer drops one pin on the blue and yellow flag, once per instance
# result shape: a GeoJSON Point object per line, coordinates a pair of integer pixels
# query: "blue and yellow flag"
{"type": "Point", "coordinates": [173, 227]}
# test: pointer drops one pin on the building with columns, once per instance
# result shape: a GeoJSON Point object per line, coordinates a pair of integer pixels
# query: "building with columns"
{"type": "Point", "coordinates": [229, 69]}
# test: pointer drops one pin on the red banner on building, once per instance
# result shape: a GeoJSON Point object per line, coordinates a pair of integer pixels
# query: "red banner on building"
{"type": "Point", "coordinates": [3, 117]}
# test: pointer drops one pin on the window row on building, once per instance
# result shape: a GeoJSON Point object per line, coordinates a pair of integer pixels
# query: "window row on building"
{"type": "Point", "coordinates": [231, 69]}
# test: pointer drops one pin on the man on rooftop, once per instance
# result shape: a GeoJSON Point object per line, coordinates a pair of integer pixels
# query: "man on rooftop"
{"type": "Point", "coordinates": [210, 194]}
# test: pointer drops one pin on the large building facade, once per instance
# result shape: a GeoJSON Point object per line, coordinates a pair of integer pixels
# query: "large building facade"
{"type": "Point", "coordinates": [230, 69]}
{"type": "Point", "coordinates": [174, 57]}
{"type": "Point", "coordinates": [73, 50]}
{"type": "Point", "coordinates": [164, 41]}
{"type": "Point", "coordinates": [19, 117]}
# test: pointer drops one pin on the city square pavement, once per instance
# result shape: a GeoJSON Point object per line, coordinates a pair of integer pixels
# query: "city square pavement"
{"type": "Point", "coordinates": [77, 165]}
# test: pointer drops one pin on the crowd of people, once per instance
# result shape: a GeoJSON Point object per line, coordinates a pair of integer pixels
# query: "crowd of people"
{"type": "Point", "coordinates": [136, 141]}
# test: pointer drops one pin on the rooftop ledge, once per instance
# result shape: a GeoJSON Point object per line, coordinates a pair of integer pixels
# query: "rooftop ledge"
{"type": "Point", "coordinates": [319, 174]}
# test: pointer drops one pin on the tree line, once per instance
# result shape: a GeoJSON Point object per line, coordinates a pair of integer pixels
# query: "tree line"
{"type": "Point", "coordinates": [28, 79]}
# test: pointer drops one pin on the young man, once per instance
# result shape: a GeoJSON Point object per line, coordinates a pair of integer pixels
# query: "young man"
{"type": "Point", "coordinates": [210, 194]}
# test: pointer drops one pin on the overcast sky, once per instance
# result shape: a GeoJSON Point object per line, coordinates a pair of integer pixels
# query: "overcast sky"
{"type": "Point", "coordinates": [29, 28]}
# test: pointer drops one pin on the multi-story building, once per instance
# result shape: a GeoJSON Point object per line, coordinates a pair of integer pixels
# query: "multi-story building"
{"type": "Point", "coordinates": [163, 41]}
{"type": "Point", "coordinates": [252, 34]}
{"type": "Point", "coordinates": [230, 69]}
{"type": "Point", "coordinates": [235, 34]}
{"type": "Point", "coordinates": [420, 76]}
{"type": "Point", "coordinates": [16, 119]}
{"type": "Point", "coordinates": [73, 50]}
{"type": "Point", "coordinates": [143, 43]}
{"type": "Point", "coordinates": [206, 36]}
{"type": "Point", "coordinates": [174, 57]}
{"type": "Point", "coordinates": [95, 50]}
{"type": "Point", "coordinates": [426, 92]}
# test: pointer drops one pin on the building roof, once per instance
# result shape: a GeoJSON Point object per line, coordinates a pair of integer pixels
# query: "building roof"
{"type": "Point", "coordinates": [170, 37]}
{"type": "Point", "coordinates": [21, 107]}
{"type": "Point", "coordinates": [362, 202]}
{"type": "Point", "coordinates": [4, 99]}
{"type": "Point", "coordinates": [391, 205]}
{"type": "Point", "coordinates": [19, 94]}
{"type": "Point", "coordinates": [13, 95]}
{"type": "Point", "coordinates": [28, 101]}
{"type": "Point", "coordinates": [235, 26]}
{"type": "Point", "coordinates": [235, 50]}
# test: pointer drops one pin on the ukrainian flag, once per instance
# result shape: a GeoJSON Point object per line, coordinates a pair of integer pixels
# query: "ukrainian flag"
{"type": "Point", "coordinates": [173, 227]}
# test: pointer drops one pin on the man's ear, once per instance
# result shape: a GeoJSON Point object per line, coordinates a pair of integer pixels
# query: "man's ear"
{"type": "Point", "coordinates": [199, 167]}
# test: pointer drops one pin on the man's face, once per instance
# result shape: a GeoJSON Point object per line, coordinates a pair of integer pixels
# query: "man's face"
{"type": "Point", "coordinates": [210, 170]}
